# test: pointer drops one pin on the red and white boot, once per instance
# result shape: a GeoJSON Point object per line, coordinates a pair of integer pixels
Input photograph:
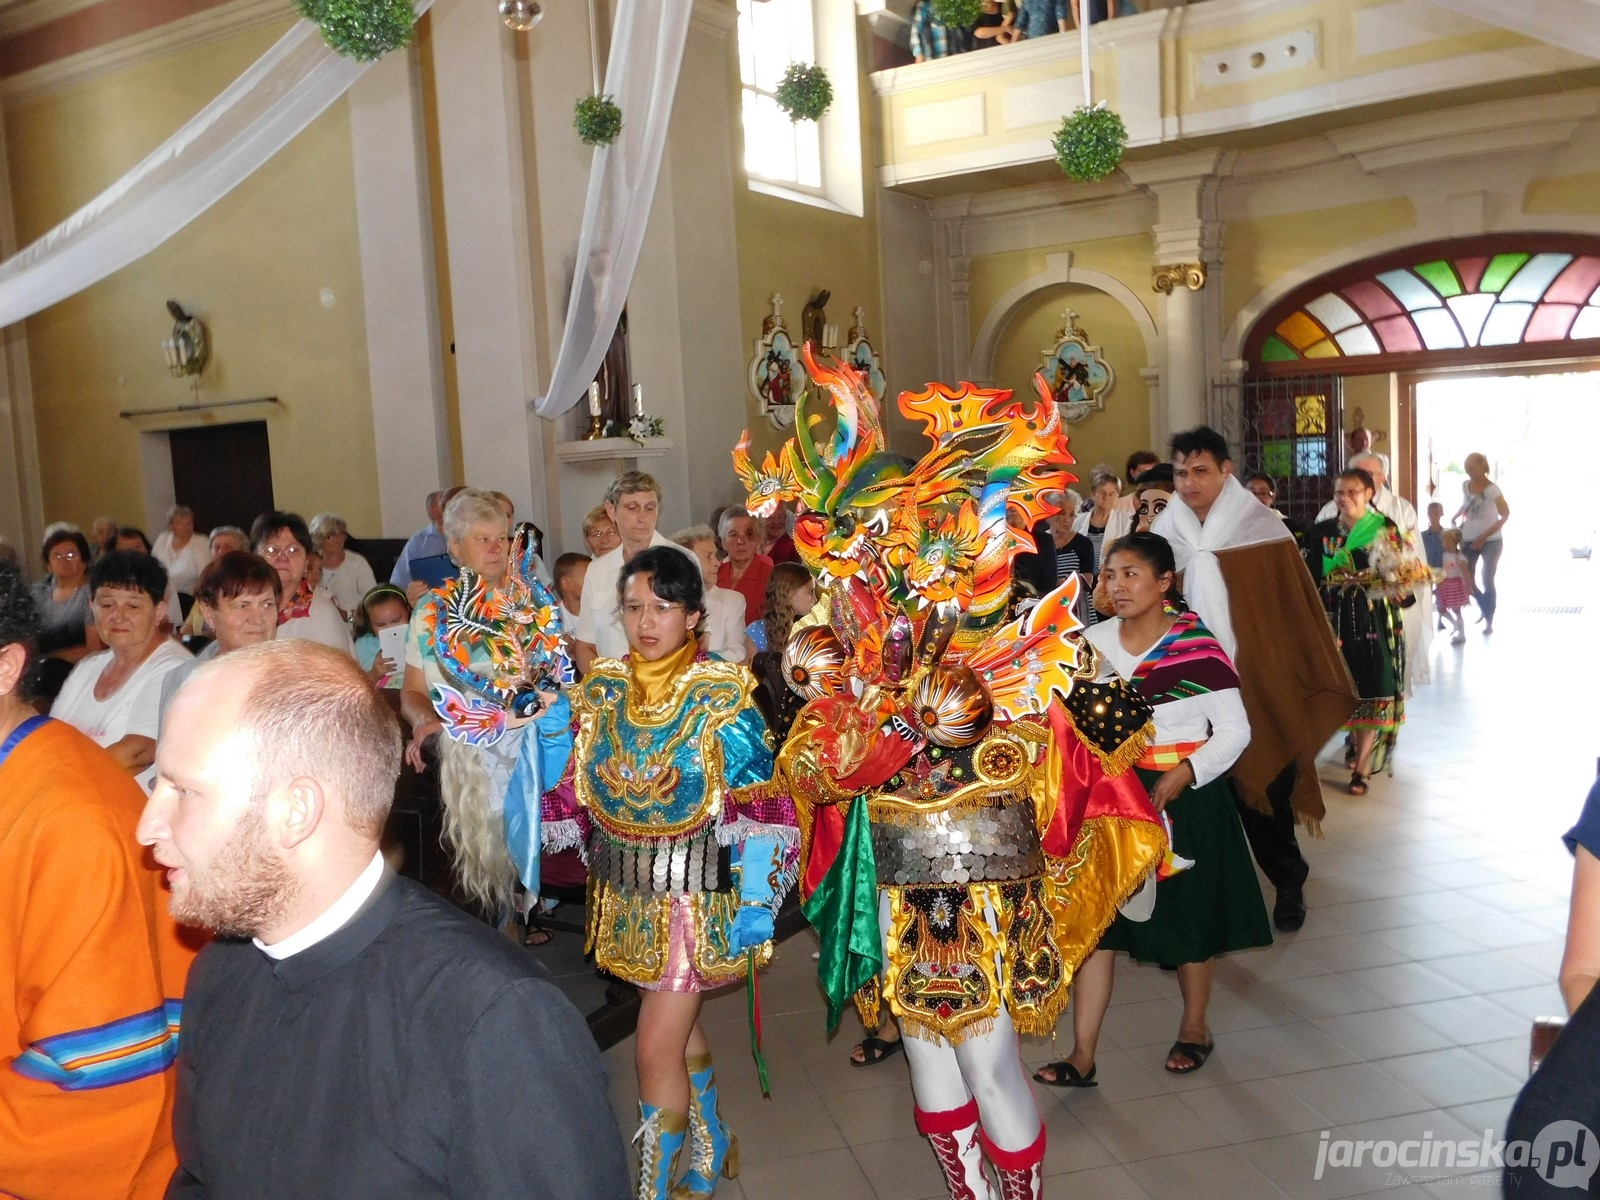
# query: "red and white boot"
{"type": "Point", "coordinates": [954, 1134]}
{"type": "Point", "coordinates": [1020, 1172]}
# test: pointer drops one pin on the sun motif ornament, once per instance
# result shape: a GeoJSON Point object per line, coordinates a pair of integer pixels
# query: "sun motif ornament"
{"type": "Point", "coordinates": [768, 486]}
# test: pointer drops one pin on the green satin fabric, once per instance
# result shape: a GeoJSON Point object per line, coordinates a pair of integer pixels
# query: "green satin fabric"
{"type": "Point", "coordinates": [844, 912]}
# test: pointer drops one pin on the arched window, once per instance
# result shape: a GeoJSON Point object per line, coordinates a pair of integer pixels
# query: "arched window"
{"type": "Point", "coordinates": [1475, 300]}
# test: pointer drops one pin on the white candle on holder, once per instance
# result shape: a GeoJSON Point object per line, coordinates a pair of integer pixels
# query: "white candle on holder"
{"type": "Point", "coordinates": [638, 400]}
{"type": "Point", "coordinates": [594, 399]}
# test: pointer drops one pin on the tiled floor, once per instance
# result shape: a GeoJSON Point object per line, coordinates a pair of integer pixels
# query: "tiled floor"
{"type": "Point", "coordinates": [1438, 904]}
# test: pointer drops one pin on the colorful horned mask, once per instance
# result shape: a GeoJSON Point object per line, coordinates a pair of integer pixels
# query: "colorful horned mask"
{"type": "Point", "coordinates": [915, 557]}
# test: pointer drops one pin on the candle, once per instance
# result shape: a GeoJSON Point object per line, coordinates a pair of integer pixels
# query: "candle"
{"type": "Point", "coordinates": [638, 400]}
{"type": "Point", "coordinates": [594, 399]}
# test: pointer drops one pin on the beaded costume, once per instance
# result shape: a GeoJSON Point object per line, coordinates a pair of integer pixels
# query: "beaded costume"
{"type": "Point", "coordinates": [488, 654]}
{"type": "Point", "coordinates": [969, 818]}
{"type": "Point", "coordinates": [672, 794]}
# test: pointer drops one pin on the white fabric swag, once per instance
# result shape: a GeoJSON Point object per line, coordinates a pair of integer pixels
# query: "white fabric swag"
{"type": "Point", "coordinates": [1236, 519]}
{"type": "Point", "coordinates": [256, 116]}
{"type": "Point", "coordinates": [641, 76]}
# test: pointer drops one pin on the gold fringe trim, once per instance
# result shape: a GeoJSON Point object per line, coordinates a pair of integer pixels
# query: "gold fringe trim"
{"type": "Point", "coordinates": [1149, 844]}
{"type": "Point", "coordinates": [1124, 757]}
{"type": "Point", "coordinates": [884, 811]}
{"type": "Point", "coordinates": [977, 1026]}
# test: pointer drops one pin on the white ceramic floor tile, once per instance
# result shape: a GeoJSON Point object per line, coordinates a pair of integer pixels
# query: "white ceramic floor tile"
{"type": "Point", "coordinates": [1450, 1077]}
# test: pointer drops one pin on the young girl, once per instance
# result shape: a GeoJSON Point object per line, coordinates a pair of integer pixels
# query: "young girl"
{"type": "Point", "coordinates": [673, 778]}
{"type": "Point", "coordinates": [384, 607]}
{"type": "Point", "coordinates": [1455, 588]}
{"type": "Point", "coordinates": [790, 594]}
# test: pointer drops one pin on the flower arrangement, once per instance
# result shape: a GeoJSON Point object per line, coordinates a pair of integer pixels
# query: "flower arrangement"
{"type": "Point", "coordinates": [958, 14]}
{"type": "Point", "coordinates": [598, 120]}
{"type": "Point", "coordinates": [364, 30]}
{"type": "Point", "coordinates": [1090, 143]}
{"type": "Point", "coordinates": [638, 428]}
{"type": "Point", "coordinates": [805, 92]}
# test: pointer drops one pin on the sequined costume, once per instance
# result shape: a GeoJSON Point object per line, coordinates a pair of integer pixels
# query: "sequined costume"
{"type": "Point", "coordinates": [969, 817]}
{"type": "Point", "coordinates": [489, 655]}
{"type": "Point", "coordinates": [673, 783]}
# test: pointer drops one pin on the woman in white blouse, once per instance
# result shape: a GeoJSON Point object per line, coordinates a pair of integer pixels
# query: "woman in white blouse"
{"type": "Point", "coordinates": [1481, 517]}
{"type": "Point", "coordinates": [183, 554]}
{"type": "Point", "coordinates": [1207, 900]}
{"type": "Point", "coordinates": [346, 575]}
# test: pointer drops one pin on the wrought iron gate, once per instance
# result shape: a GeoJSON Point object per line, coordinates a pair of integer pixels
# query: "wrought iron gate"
{"type": "Point", "coordinates": [1292, 428]}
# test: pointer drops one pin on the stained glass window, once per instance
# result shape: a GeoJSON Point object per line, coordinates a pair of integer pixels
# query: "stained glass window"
{"type": "Point", "coordinates": [1453, 302]}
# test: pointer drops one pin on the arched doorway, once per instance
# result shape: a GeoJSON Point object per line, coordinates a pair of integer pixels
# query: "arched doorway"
{"type": "Point", "coordinates": [1505, 302]}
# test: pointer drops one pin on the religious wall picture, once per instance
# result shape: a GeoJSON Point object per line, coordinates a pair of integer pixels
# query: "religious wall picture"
{"type": "Point", "coordinates": [858, 353]}
{"type": "Point", "coordinates": [1079, 376]}
{"type": "Point", "coordinates": [776, 376]}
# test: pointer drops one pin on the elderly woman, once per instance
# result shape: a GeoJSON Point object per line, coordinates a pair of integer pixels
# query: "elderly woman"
{"type": "Point", "coordinates": [62, 600]}
{"type": "Point", "coordinates": [239, 594]}
{"type": "Point", "coordinates": [746, 570]}
{"type": "Point", "coordinates": [600, 535]}
{"type": "Point", "coordinates": [284, 541]}
{"type": "Point", "coordinates": [484, 665]}
{"type": "Point", "coordinates": [722, 631]}
{"type": "Point", "coordinates": [1366, 569]}
{"type": "Point", "coordinates": [114, 696]}
{"type": "Point", "coordinates": [183, 555]}
{"type": "Point", "coordinates": [1105, 521]}
{"type": "Point", "coordinates": [346, 575]}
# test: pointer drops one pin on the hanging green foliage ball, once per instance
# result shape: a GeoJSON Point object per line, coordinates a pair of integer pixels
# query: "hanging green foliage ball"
{"type": "Point", "coordinates": [804, 92]}
{"type": "Point", "coordinates": [598, 120]}
{"type": "Point", "coordinates": [364, 30]}
{"type": "Point", "coordinates": [958, 14]}
{"type": "Point", "coordinates": [1090, 143]}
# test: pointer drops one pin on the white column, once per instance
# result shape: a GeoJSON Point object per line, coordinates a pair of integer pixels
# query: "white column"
{"type": "Point", "coordinates": [1184, 380]}
{"type": "Point", "coordinates": [21, 496]}
{"type": "Point", "coordinates": [482, 172]}
{"type": "Point", "coordinates": [404, 345]}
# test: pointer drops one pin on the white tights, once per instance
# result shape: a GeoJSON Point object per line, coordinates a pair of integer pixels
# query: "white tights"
{"type": "Point", "coordinates": [986, 1067]}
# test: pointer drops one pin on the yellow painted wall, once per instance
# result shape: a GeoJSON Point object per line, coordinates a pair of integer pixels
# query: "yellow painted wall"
{"type": "Point", "coordinates": [253, 267]}
{"type": "Point", "coordinates": [1261, 250]}
{"type": "Point", "coordinates": [1124, 426]}
{"type": "Point", "coordinates": [1564, 194]}
{"type": "Point", "coordinates": [795, 249]}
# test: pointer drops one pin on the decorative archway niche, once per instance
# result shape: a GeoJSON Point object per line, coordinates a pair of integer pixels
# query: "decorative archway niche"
{"type": "Point", "coordinates": [1466, 302]}
{"type": "Point", "coordinates": [1058, 270]}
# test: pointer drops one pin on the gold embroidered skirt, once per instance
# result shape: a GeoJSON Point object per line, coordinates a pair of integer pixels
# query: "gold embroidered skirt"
{"type": "Point", "coordinates": [665, 942]}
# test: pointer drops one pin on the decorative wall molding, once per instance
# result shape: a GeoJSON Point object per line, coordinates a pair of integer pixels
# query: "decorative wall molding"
{"type": "Point", "coordinates": [1167, 276]}
{"type": "Point", "coordinates": [212, 25]}
{"type": "Point", "coordinates": [1531, 123]}
{"type": "Point", "coordinates": [714, 16]}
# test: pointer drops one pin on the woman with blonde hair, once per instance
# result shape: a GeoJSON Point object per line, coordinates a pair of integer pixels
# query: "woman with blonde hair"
{"type": "Point", "coordinates": [1482, 515]}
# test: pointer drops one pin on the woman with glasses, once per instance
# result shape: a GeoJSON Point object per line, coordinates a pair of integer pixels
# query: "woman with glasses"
{"type": "Point", "coordinates": [62, 598]}
{"type": "Point", "coordinates": [691, 845]}
{"type": "Point", "coordinates": [284, 541]}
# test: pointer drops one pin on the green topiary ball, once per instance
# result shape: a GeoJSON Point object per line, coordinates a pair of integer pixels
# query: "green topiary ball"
{"type": "Point", "coordinates": [958, 14]}
{"type": "Point", "coordinates": [598, 120]}
{"type": "Point", "coordinates": [804, 92]}
{"type": "Point", "coordinates": [311, 10]}
{"type": "Point", "coordinates": [364, 30]}
{"type": "Point", "coordinates": [1090, 143]}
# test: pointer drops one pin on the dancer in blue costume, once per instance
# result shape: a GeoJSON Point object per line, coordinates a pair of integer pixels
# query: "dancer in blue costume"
{"type": "Point", "coordinates": [691, 846]}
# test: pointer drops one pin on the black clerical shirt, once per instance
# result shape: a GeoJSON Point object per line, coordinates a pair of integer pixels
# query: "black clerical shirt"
{"type": "Point", "coordinates": [413, 1054]}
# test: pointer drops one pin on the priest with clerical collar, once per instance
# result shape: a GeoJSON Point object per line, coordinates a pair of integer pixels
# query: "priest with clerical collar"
{"type": "Point", "coordinates": [352, 1035]}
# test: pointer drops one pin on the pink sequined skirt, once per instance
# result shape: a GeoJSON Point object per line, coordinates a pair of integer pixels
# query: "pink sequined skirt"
{"type": "Point", "coordinates": [679, 975]}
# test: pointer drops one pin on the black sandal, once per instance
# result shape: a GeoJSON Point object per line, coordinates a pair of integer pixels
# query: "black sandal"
{"type": "Point", "coordinates": [1358, 784]}
{"type": "Point", "coordinates": [874, 1050]}
{"type": "Point", "coordinates": [1067, 1075]}
{"type": "Point", "coordinates": [1195, 1051]}
{"type": "Point", "coordinates": [535, 934]}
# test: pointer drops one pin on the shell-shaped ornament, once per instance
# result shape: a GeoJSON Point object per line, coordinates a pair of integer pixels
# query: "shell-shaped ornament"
{"type": "Point", "coordinates": [951, 707]}
{"type": "Point", "coordinates": [814, 662]}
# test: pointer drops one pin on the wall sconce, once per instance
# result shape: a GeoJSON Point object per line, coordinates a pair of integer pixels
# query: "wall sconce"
{"type": "Point", "coordinates": [188, 350]}
{"type": "Point", "coordinates": [521, 15]}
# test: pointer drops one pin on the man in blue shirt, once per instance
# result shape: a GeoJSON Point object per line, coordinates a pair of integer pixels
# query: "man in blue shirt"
{"type": "Point", "coordinates": [932, 38]}
{"type": "Point", "coordinates": [425, 543]}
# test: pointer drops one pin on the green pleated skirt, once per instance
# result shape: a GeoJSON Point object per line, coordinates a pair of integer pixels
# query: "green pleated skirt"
{"type": "Point", "coordinates": [1214, 906]}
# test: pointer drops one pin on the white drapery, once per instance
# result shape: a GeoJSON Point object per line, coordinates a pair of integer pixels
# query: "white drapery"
{"type": "Point", "coordinates": [256, 116]}
{"type": "Point", "coordinates": [642, 76]}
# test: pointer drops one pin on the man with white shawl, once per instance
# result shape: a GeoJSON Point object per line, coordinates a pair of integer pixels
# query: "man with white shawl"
{"type": "Point", "coordinates": [1242, 572]}
{"type": "Point", "coordinates": [1418, 618]}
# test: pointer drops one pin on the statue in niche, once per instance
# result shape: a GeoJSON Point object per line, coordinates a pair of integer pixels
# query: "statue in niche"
{"type": "Point", "coordinates": [813, 320]}
{"type": "Point", "coordinates": [615, 378]}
